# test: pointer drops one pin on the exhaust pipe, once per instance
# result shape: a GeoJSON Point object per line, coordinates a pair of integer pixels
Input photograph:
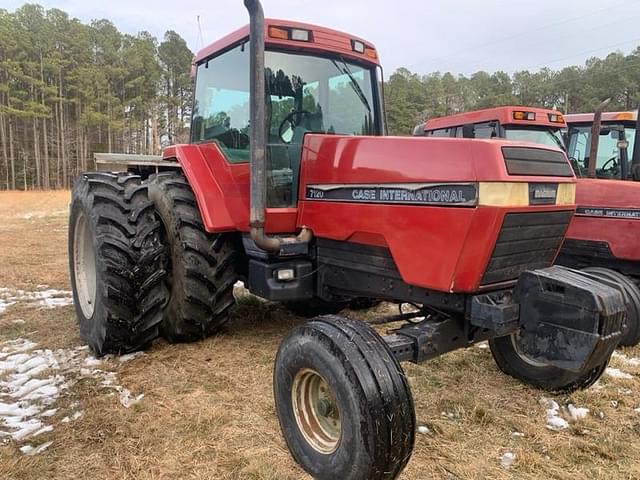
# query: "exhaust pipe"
{"type": "Point", "coordinates": [595, 137]}
{"type": "Point", "coordinates": [257, 135]}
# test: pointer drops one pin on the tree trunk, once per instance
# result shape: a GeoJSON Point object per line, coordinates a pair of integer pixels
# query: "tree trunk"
{"type": "Point", "coordinates": [12, 156]}
{"type": "Point", "coordinates": [36, 151]}
{"type": "Point", "coordinates": [63, 140]}
{"type": "Point", "coordinates": [3, 141]}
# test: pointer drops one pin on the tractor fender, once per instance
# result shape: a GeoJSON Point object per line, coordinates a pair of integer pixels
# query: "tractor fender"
{"type": "Point", "coordinates": [216, 185]}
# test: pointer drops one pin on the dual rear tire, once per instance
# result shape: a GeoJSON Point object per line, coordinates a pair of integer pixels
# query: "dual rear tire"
{"type": "Point", "coordinates": [142, 264]}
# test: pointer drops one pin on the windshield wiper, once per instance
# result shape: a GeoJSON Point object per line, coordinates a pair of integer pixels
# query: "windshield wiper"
{"type": "Point", "coordinates": [353, 82]}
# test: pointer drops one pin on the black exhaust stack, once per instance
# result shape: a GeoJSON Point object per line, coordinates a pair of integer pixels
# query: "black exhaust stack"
{"type": "Point", "coordinates": [595, 137]}
{"type": "Point", "coordinates": [257, 134]}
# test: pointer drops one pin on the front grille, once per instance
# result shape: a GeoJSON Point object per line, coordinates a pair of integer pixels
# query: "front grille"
{"type": "Point", "coordinates": [527, 241]}
{"type": "Point", "coordinates": [536, 162]}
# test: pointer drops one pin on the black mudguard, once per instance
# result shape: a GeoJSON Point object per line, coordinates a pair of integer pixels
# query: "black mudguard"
{"type": "Point", "coordinates": [569, 319]}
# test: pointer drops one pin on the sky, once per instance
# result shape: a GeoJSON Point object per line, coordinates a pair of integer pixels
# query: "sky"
{"type": "Point", "coordinates": [457, 36]}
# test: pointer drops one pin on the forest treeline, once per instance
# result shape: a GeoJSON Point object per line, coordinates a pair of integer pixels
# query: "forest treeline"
{"type": "Point", "coordinates": [410, 98]}
{"type": "Point", "coordinates": [69, 89]}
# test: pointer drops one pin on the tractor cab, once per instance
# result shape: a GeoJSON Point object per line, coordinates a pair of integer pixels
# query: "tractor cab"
{"type": "Point", "coordinates": [317, 81]}
{"type": "Point", "coordinates": [522, 124]}
{"type": "Point", "coordinates": [616, 144]}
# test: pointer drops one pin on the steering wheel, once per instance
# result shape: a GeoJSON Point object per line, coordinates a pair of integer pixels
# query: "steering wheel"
{"type": "Point", "coordinates": [611, 170]}
{"type": "Point", "coordinates": [297, 114]}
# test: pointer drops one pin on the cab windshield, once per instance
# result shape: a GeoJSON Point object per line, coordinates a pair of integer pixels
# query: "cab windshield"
{"type": "Point", "coordinates": [608, 163]}
{"type": "Point", "coordinates": [304, 94]}
{"type": "Point", "coordinates": [543, 136]}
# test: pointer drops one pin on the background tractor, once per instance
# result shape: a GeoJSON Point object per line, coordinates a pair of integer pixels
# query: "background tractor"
{"type": "Point", "coordinates": [603, 236]}
{"type": "Point", "coordinates": [290, 185]}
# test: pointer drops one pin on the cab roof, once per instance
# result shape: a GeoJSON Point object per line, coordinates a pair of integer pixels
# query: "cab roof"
{"type": "Point", "coordinates": [504, 115]}
{"type": "Point", "coordinates": [323, 40]}
{"type": "Point", "coordinates": [606, 117]}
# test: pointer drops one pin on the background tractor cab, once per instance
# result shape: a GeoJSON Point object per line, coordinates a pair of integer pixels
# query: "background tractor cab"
{"type": "Point", "coordinates": [616, 144]}
{"type": "Point", "coordinates": [524, 124]}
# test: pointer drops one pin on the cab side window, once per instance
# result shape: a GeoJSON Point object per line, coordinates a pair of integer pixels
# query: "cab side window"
{"type": "Point", "coordinates": [442, 132]}
{"type": "Point", "coordinates": [221, 105]}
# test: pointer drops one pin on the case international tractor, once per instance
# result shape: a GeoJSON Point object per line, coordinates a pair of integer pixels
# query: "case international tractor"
{"type": "Point", "coordinates": [524, 124]}
{"type": "Point", "coordinates": [605, 152]}
{"type": "Point", "coordinates": [290, 185]}
{"type": "Point", "coordinates": [602, 236]}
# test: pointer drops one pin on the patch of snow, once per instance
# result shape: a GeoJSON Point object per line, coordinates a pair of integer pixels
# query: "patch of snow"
{"type": "Point", "coordinates": [554, 420]}
{"type": "Point", "coordinates": [508, 459]}
{"type": "Point", "coordinates": [17, 321]}
{"type": "Point", "coordinates": [615, 373]}
{"type": "Point", "coordinates": [32, 380]}
{"type": "Point", "coordinates": [483, 345]}
{"type": "Point", "coordinates": [614, 404]}
{"type": "Point", "coordinates": [423, 430]}
{"type": "Point", "coordinates": [127, 400]}
{"type": "Point", "coordinates": [517, 434]}
{"type": "Point", "coordinates": [637, 410]}
{"type": "Point", "coordinates": [577, 413]}
{"type": "Point", "coordinates": [45, 297]}
{"type": "Point", "coordinates": [129, 356]}
{"type": "Point", "coordinates": [29, 450]}
{"type": "Point", "coordinates": [631, 362]}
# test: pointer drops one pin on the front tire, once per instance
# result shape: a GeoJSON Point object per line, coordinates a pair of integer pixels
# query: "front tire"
{"type": "Point", "coordinates": [343, 401]}
{"type": "Point", "coordinates": [202, 267]}
{"type": "Point", "coordinates": [513, 362]}
{"type": "Point", "coordinates": [115, 261]}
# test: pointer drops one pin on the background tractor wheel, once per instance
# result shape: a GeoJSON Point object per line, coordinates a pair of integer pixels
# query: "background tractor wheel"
{"type": "Point", "coordinates": [343, 401]}
{"type": "Point", "coordinates": [116, 265]}
{"type": "Point", "coordinates": [202, 267]}
{"type": "Point", "coordinates": [513, 362]}
{"type": "Point", "coordinates": [631, 294]}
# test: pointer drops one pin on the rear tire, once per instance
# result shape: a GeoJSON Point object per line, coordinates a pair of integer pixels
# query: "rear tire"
{"type": "Point", "coordinates": [115, 261]}
{"type": "Point", "coordinates": [516, 364]}
{"type": "Point", "coordinates": [631, 294]}
{"type": "Point", "coordinates": [202, 267]}
{"type": "Point", "coordinates": [343, 401]}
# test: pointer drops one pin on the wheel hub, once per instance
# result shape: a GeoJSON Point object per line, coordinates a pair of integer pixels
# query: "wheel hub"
{"type": "Point", "coordinates": [316, 411]}
{"type": "Point", "coordinates": [84, 261]}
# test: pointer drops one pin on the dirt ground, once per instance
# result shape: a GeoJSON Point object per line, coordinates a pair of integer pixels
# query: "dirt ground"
{"type": "Point", "coordinates": [208, 413]}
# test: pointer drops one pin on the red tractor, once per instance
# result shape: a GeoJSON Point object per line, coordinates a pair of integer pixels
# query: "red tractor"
{"type": "Point", "coordinates": [290, 185]}
{"type": "Point", "coordinates": [523, 124]}
{"type": "Point", "coordinates": [603, 236]}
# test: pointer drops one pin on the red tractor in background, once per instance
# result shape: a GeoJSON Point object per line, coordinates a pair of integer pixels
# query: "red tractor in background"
{"type": "Point", "coordinates": [602, 236]}
{"type": "Point", "coordinates": [605, 152]}
{"type": "Point", "coordinates": [290, 185]}
{"type": "Point", "coordinates": [522, 124]}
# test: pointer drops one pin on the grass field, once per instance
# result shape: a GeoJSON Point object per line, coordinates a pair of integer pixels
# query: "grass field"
{"type": "Point", "coordinates": [207, 410]}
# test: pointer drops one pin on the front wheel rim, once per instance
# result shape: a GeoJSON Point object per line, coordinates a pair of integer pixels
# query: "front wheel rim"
{"type": "Point", "coordinates": [524, 357]}
{"type": "Point", "coordinates": [316, 411]}
{"type": "Point", "coordinates": [84, 263]}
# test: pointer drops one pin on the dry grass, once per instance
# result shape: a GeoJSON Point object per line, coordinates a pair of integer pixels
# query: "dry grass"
{"type": "Point", "coordinates": [208, 408]}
